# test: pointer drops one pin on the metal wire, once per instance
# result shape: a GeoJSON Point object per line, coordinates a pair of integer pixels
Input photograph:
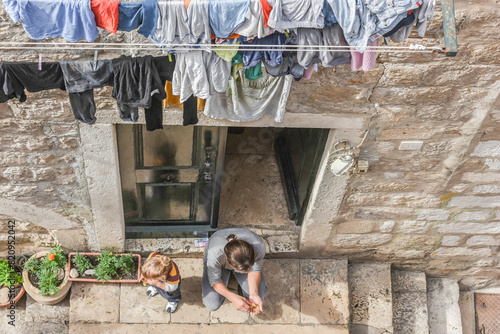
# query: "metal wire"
{"type": "Point", "coordinates": [413, 48]}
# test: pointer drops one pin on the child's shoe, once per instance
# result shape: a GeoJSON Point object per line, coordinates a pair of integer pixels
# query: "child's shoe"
{"type": "Point", "coordinates": [171, 307]}
{"type": "Point", "coordinates": [151, 291]}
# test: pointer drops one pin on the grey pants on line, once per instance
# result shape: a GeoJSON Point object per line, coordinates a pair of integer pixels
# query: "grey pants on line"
{"type": "Point", "coordinates": [213, 300]}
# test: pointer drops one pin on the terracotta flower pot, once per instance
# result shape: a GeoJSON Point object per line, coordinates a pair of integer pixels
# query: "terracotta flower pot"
{"type": "Point", "coordinates": [93, 280]}
{"type": "Point", "coordinates": [54, 298]}
{"type": "Point", "coordinates": [19, 294]}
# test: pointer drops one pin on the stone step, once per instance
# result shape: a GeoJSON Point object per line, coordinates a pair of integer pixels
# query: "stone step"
{"type": "Point", "coordinates": [301, 292]}
{"type": "Point", "coordinates": [409, 302]}
{"type": "Point", "coordinates": [204, 328]}
{"type": "Point", "coordinates": [371, 298]}
{"type": "Point", "coordinates": [442, 305]}
{"type": "Point", "coordinates": [324, 292]}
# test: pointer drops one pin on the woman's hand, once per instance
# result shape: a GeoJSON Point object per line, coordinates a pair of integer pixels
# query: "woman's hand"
{"type": "Point", "coordinates": [241, 303]}
{"type": "Point", "coordinates": [255, 300]}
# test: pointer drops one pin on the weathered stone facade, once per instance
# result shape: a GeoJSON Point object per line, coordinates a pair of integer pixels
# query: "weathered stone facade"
{"type": "Point", "coordinates": [436, 209]}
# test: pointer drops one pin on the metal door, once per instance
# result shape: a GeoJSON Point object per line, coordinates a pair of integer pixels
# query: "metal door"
{"type": "Point", "coordinates": [299, 153]}
{"type": "Point", "coordinates": [170, 178]}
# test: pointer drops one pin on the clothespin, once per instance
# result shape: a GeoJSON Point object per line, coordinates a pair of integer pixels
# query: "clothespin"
{"type": "Point", "coordinates": [169, 57]}
{"type": "Point", "coordinates": [39, 61]}
{"type": "Point", "coordinates": [287, 34]}
{"type": "Point", "coordinates": [96, 53]}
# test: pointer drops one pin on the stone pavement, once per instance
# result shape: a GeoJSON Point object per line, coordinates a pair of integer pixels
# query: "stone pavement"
{"type": "Point", "coordinates": [304, 295]}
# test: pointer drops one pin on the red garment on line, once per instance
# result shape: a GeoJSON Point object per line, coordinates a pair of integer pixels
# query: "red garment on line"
{"type": "Point", "coordinates": [266, 9]}
{"type": "Point", "coordinates": [106, 14]}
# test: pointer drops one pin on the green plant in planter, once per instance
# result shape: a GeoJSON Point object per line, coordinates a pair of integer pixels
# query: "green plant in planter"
{"type": "Point", "coordinates": [110, 264]}
{"type": "Point", "coordinates": [125, 262]}
{"type": "Point", "coordinates": [8, 275]}
{"type": "Point", "coordinates": [46, 270]}
{"type": "Point", "coordinates": [81, 263]}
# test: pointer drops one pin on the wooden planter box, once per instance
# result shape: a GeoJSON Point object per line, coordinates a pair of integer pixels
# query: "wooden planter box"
{"type": "Point", "coordinates": [94, 280]}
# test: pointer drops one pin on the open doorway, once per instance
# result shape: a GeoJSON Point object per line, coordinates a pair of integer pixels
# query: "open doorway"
{"type": "Point", "coordinates": [268, 176]}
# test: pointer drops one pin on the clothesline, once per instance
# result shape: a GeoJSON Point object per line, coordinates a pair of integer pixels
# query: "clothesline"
{"type": "Point", "coordinates": [413, 48]}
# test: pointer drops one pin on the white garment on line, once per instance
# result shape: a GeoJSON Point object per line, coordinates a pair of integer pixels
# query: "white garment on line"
{"type": "Point", "coordinates": [254, 22]}
{"type": "Point", "coordinates": [200, 74]}
{"type": "Point", "coordinates": [248, 100]}
{"type": "Point", "coordinates": [190, 75]}
{"type": "Point", "coordinates": [177, 25]}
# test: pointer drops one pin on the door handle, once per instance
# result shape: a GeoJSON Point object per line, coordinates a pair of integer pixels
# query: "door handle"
{"type": "Point", "coordinates": [167, 177]}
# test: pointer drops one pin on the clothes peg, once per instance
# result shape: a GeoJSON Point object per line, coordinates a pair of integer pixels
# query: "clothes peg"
{"type": "Point", "coordinates": [96, 53]}
{"type": "Point", "coordinates": [170, 57]}
{"type": "Point", "coordinates": [287, 34]}
{"type": "Point", "coordinates": [39, 61]}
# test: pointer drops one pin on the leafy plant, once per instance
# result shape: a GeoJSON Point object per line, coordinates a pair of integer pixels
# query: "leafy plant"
{"type": "Point", "coordinates": [46, 269]}
{"type": "Point", "coordinates": [81, 263]}
{"type": "Point", "coordinates": [110, 265]}
{"type": "Point", "coordinates": [125, 263]}
{"type": "Point", "coordinates": [8, 275]}
{"type": "Point", "coordinates": [106, 268]}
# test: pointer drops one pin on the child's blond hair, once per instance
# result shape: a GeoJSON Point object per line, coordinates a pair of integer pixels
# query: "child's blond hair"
{"type": "Point", "coordinates": [157, 267]}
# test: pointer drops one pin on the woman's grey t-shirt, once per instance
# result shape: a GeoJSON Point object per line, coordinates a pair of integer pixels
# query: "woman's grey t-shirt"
{"type": "Point", "coordinates": [215, 260]}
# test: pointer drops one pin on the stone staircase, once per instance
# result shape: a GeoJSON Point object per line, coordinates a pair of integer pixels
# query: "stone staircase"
{"type": "Point", "coordinates": [305, 296]}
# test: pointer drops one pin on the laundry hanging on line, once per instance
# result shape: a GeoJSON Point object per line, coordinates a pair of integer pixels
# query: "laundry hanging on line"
{"type": "Point", "coordinates": [193, 21]}
{"type": "Point", "coordinates": [200, 73]}
{"type": "Point", "coordinates": [141, 82]}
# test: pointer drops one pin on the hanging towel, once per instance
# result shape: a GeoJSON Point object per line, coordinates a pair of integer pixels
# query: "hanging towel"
{"type": "Point", "coordinates": [249, 100]}
{"type": "Point", "coordinates": [71, 19]}
{"type": "Point", "coordinates": [177, 25]}
{"type": "Point", "coordinates": [106, 14]}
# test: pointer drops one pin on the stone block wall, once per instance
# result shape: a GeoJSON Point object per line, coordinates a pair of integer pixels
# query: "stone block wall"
{"type": "Point", "coordinates": [436, 209]}
{"type": "Point", "coordinates": [28, 238]}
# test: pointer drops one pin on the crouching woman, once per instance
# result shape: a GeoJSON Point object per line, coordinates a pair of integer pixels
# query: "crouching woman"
{"type": "Point", "coordinates": [241, 252]}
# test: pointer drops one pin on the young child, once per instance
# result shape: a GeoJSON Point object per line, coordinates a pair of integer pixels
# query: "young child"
{"type": "Point", "coordinates": [164, 278]}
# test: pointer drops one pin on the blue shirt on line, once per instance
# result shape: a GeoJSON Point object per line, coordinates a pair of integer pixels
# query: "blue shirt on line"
{"type": "Point", "coordinates": [71, 19]}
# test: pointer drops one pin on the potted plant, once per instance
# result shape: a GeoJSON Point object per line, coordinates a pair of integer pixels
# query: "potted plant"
{"type": "Point", "coordinates": [105, 266]}
{"type": "Point", "coordinates": [46, 276]}
{"type": "Point", "coordinates": [11, 287]}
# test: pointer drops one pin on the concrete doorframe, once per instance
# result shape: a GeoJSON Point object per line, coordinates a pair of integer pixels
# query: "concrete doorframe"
{"type": "Point", "coordinates": [100, 153]}
{"type": "Point", "coordinates": [326, 197]}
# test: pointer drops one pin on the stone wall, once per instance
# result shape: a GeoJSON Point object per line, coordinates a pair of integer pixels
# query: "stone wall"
{"type": "Point", "coordinates": [25, 238]}
{"type": "Point", "coordinates": [436, 209]}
